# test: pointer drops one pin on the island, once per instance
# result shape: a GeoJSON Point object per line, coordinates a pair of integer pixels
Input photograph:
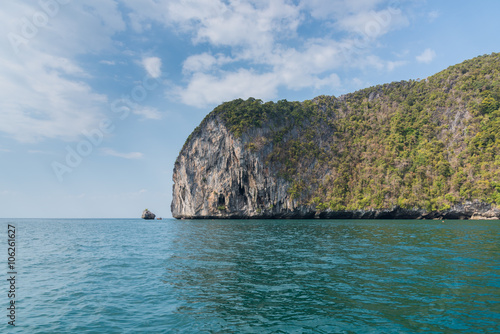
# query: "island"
{"type": "Point", "coordinates": [146, 214]}
{"type": "Point", "coordinates": [418, 149]}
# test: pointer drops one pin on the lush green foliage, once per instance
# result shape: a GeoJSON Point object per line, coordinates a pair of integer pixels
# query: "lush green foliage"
{"type": "Point", "coordinates": [420, 143]}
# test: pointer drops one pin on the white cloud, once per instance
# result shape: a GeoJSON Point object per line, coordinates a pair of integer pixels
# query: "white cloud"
{"type": "Point", "coordinates": [427, 56]}
{"type": "Point", "coordinates": [210, 84]}
{"type": "Point", "coordinates": [254, 38]}
{"type": "Point", "coordinates": [206, 89]}
{"type": "Point", "coordinates": [373, 24]}
{"type": "Point", "coordinates": [74, 28]}
{"type": "Point", "coordinates": [256, 49]}
{"type": "Point", "coordinates": [44, 97]}
{"type": "Point", "coordinates": [152, 65]}
{"type": "Point", "coordinates": [370, 18]}
{"type": "Point", "coordinates": [147, 112]}
{"type": "Point", "coordinates": [204, 62]}
{"type": "Point", "coordinates": [248, 24]}
{"type": "Point", "coordinates": [42, 87]}
{"type": "Point", "coordinates": [113, 153]}
{"type": "Point", "coordinates": [200, 62]}
{"type": "Point", "coordinates": [328, 9]}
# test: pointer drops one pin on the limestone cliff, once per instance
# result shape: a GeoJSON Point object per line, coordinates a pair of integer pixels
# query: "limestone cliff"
{"type": "Point", "coordinates": [425, 149]}
{"type": "Point", "coordinates": [217, 176]}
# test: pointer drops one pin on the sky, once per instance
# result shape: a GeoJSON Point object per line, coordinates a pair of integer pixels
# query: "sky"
{"type": "Point", "coordinates": [98, 96]}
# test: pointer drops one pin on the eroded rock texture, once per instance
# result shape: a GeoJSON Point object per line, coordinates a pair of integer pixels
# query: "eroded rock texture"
{"type": "Point", "coordinates": [216, 176]}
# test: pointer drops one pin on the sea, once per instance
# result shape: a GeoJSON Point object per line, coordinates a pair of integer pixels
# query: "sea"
{"type": "Point", "coordinates": [249, 276]}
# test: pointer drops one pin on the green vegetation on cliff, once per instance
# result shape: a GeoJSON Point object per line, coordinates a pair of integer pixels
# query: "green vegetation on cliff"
{"type": "Point", "coordinates": [417, 144]}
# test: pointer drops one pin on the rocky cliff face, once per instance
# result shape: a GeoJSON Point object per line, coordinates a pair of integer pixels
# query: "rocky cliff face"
{"type": "Point", "coordinates": [425, 149]}
{"type": "Point", "coordinates": [217, 176]}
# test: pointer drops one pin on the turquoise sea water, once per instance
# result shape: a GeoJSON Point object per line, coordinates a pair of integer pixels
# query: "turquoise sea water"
{"type": "Point", "coordinates": [253, 276]}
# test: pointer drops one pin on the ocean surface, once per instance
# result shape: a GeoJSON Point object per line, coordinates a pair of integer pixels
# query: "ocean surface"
{"type": "Point", "coordinates": [252, 276]}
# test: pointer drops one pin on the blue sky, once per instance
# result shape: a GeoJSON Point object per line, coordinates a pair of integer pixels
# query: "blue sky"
{"type": "Point", "coordinates": [98, 96]}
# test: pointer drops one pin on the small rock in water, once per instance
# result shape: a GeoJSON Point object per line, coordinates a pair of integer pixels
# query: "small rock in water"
{"type": "Point", "coordinates": [146, 214]}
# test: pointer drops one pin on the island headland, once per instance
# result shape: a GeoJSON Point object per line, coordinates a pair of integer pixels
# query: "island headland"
{"type": "Point", "coordinates": [418, 149]}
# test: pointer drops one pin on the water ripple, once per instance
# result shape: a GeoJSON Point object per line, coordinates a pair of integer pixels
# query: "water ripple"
{"type": "Point", "coordinates": [133, 276]}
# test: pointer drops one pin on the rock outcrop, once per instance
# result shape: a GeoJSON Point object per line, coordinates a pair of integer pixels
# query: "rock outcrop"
{"type": "Point", "coordinates": [216, 176]}
{"type": "Point", "coordinates": [418, 149]}
{"type": "Point", "coordinates": [146, 214]}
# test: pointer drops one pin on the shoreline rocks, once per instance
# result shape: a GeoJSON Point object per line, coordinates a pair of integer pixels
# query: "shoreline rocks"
{"type": "Point", "coordinates": [467, 211]}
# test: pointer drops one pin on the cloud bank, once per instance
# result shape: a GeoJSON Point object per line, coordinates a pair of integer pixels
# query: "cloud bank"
{"type": "Point", "coordinates": [233, 48]}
